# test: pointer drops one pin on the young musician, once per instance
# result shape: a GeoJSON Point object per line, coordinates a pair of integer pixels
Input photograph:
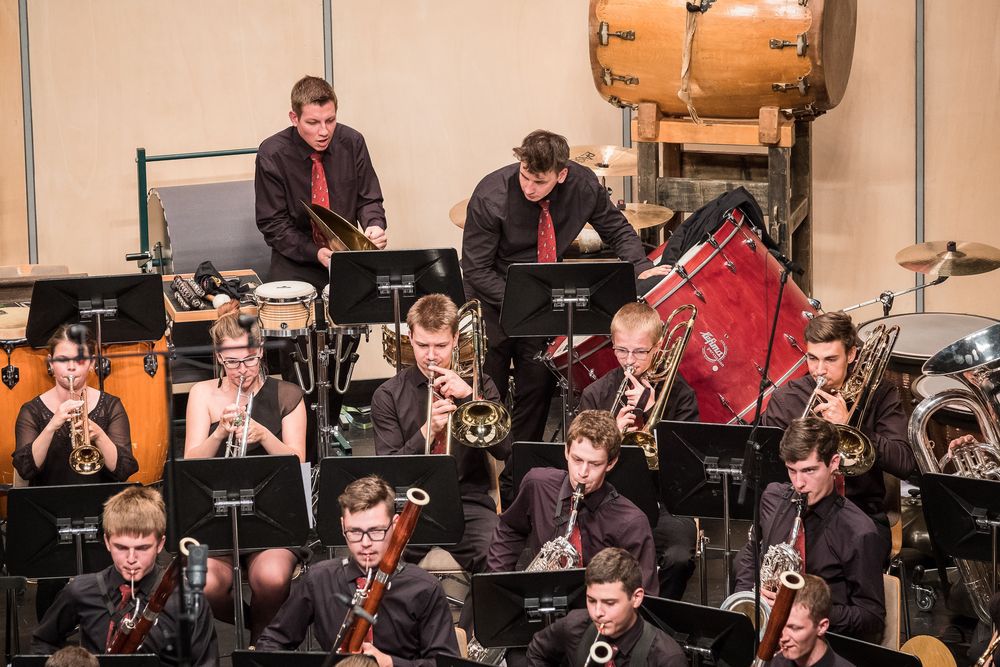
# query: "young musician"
{"type": "Point", "coordinates": [274, 424]}
{"type": "Point", "coordinates": [802, 643]}
{"type": "Point", "coordinates": [72, 656]}
{"type": "Point", "coordinates": [414, 622]}
{"type": "Point", "coordinates": [399, 414]}
{"type": "Point", "coordinates": [531, 211]}
{"type": "Point", "coordinates": [636, 330]}
{"type": "Point", "coordinates": [831, 348]}
{"type": "Point", "coordinates": [542, 507]}
{"type": "Point", "coordinates": [135, 523]}
{"type": "Point", "coordinates": [614, 593]}
{"type": "Point", "coordinates": [841, 543]}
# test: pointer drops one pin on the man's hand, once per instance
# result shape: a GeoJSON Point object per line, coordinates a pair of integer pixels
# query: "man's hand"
{"type": "Point", "coordinates": [661, 270]}
{"type": "Point", "coordinates": [383, 659]}
{"type": "Point", "coordinates": [768, 596]}
{"type": "Point", "coordinates": [449, 384]}
{"type": "Point", "coordinates": [834, 410]}
{"type": "Point", "coordinates": [323, 256]}
{"type": "Point", "coordinates": [377, 236]}
{"type": "Point", "coordinates": [960, 440]}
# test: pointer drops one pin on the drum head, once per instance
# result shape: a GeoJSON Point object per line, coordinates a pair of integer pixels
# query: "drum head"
{"type": "Point", "coordinates": [926, 386]}
{"type": "Point", "coordinates": [285, 290]}
{"type": "Point", "coordinates": [922, 335]}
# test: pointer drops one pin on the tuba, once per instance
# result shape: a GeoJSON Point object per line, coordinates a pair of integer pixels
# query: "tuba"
{"type": "Point", "coordinates": [974, 361]}
{"type": "Point", "coordinates": [234, 448]}
{"type": "Point", "coordinates": [661, 374]}
{"type": "Point", "coordinates": [84, 458]}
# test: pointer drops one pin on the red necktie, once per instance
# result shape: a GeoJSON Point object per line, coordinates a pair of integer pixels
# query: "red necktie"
{"type": "Point", "coordinates": [840, 483]}
{"type": "Point", "coordinates": [126, 591]}
{"type": "Point", "coordinates": [614, 652]}
{"type": "Point", "coordinates": [320, 195]}
{"type": "Point", "coordinates": [360, 583]}
{"type": "Point", "coordinates": [546, 235]}
{"type": "Point", "coordinates": [800, 546]}
{"type": "Point", "coordinates": [575, 538]}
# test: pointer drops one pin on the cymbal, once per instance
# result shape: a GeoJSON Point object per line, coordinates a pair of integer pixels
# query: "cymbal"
{"type": "Point", "coordinates": [339, 233]}
{"type": "Point", "coordinates": [949, 258]}
{"type": "Point", "coordinates": [641, 216]}
{"type": "Point", "coordinates": [607, 160]}
{"type": "Point", "coordinates": [457, 213]}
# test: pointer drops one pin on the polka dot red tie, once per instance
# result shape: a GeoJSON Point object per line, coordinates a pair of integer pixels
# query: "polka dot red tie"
{"type": "Point", "coordinates": [320, 194]}
{"type": "Point", "coordinates": [546, 235]}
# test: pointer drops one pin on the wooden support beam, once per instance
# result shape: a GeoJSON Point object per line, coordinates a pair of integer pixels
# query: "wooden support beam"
{"type": "Point", "coordinates": [690, 194]}
{"type": "Point", "coordinates": [735, 133]}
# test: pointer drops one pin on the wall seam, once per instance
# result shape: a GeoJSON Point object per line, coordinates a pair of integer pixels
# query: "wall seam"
{"type": "Point", "coordinates": [29, 146]}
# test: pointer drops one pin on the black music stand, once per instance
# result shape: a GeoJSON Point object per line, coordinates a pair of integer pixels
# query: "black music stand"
{"type": "Point", "coordinates": [124, 309]}
{"type": "Point", "coordinates": [509, 607]}
{"type": "Point", "coordinates": [554, 299]}
{"type": "Point", "coordinates": [630, 476]}
{"type": "Point", "coordinates": [702, 464]}
{"type": "Point", "coordinates": [379, 286]}
{"type": "Point", "coordinates": [55, 531]}
{"type": "Point", "coordinates": [724, 638]}
{"type": "Point", "coordinates": [439, 524]}
{"type": "Point", "coordinates": [237, 505]}
{"type": "Point", "coordinates": [103, 659]}
{"type": "Point", "coordinates": [244, 658]}
{"type": "Point", "coordinates": [864, 653]}
{"type": "Point", "coordinates": [452, 661]}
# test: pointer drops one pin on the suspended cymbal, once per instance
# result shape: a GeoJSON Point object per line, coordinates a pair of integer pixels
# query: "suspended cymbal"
{"type": "Point", "coordinates": [607, 160]}
{"type": "Point", "coordinates": [641, 216]}
{"type": "Point", "coordinates": [457, 213]}
{"type": "Point", "coordinates": [949, 258]}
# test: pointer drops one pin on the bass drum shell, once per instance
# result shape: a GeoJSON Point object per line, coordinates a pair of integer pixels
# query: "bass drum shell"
{"type": "Point", "coordinates": [733, 68]}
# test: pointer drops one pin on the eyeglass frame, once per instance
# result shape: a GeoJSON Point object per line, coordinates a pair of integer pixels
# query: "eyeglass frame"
{"type": "Point", "coordinates": [368, 533]}
{"type": "Point", "coordinates": [247, 362]}
{"type": "Point", "coordinates": [638, 355]}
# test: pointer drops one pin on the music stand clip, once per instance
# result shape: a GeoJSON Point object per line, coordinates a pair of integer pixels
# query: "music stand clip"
{"type": "Point", "coordinates": [86, 530]}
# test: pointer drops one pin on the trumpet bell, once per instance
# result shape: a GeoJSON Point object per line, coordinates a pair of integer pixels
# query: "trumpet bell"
{"type": "Point", "coordinates": [86, 460]}
{"type": "Point", "coordinates": [480, 424]}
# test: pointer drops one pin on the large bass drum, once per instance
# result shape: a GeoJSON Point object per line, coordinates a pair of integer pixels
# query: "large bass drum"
{"type": "Point", "coordinates": [745, 54]}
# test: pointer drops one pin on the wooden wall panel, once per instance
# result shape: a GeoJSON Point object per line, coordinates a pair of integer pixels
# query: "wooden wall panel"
{"type": "Point", "coordinates": [13, 201]}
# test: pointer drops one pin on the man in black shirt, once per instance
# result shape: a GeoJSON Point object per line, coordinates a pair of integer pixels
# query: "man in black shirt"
{"type": "Point", "coordinates": [531, 211]}
{"type": "Point", "coordinates": [614, 593]}
{"type": "Point", "coordinates": [134, 523]}
{"type": "Point", "coordinates": [802, 643]}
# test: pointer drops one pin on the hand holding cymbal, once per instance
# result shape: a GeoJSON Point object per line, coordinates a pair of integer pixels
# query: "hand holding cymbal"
{"type": "Point", "coordinates": [949, 258]}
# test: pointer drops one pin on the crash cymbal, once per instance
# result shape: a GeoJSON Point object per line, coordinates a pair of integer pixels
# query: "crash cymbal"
{"type": "Point", "coordinates": [607, 160]}
{"type": "Point", "coordinates": [457, 213]}
{"type": "Point", "coordinates": [641, 216]}
{"type": "Point", "coordinates": [949, 258]}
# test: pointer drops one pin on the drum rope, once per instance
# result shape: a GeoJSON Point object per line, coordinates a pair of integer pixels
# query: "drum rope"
{"type": "Point", "coordinates": [691, 25]}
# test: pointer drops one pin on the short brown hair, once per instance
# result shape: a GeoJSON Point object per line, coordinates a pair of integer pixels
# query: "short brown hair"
{"type": "Point", "coordinates": [228, 327]}
{"type": "Point", "coordinates": [542, 152]}
{"type": "Point", "coordinates": [804, 436]}
{"type": "Point", "coordinates": [830, 327]}
{"type": "Point", "coordinates": [814, 596]}
{"type": "Point", "coordinates": [637, 316]}
{"type": "Point", "coordinates": [614, 565]}
{"type": "Point", "coordinates": [358, 660]}
{"type": "Point", "coordinates": [433, 312]}
{"type": "Point", "coordinates": [72, 656]}
{"type": "Point", "coordinates": [136, 511]}
{"type": "Point", "coordinates": [367, 492]}
{"type": "Point", "coordinates": [62, 335]}
{"type": "Point", "coordinates": [598, 426]}
{"type": "Point", "coordinates": [312, 90]}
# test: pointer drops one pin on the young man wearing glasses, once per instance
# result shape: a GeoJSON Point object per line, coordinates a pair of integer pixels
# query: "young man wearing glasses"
{"type": "Point", "coordinates": [414, 622]}
{"type": "Point", "coordinates": [635, 332]}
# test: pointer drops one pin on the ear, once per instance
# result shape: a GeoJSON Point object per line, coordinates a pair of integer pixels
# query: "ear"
{"type": "Point", "coordinates": [293, 118]}
{"type": "Point", "coordinates": [107, 542]}
{"type": "Point", "coordinates": [835, 463]}
{"type": "Point", "coordinates": [637, 598]}
{"type": "Point", "coordinates": [612, 464]}
{"type": "Point", "coordinates": [822, 627]}
{"type": "Point", "coordinates": [162, 543]}
{"type": "Point", "coordinates": [561, 178]}
{"type": "Point", "coordinates": [852, 354]}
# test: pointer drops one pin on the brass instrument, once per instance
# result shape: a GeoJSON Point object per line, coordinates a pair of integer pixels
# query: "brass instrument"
{"type": "Point", "coordinates": [987, 657]}
{"type": "Point", "coordinates": [238, 448]}
{"type": "Point", "coordinates": [975, 362]}
{"type": "Point", "coordinates": [84, 458]}
{"type": "Point", "coordinates": [600, 652]}
{"type": "Point", "coordinates": [433, 439]}
{"type": "Point", "coordinates": [813, 397]}
{"type": "Point", "coordinates": [661, 374]}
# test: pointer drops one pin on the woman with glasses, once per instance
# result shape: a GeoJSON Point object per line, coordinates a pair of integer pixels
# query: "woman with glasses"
{"type": "Point", "coordinates": [276, 424]}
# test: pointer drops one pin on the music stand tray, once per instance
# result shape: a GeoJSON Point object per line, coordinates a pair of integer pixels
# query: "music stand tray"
{"type": "Point", "coordinates": [244, 658]}
{"type": "Point", "coordinates": [441, 522]}
{"type": "Point", "coordinates": [103, 659]}
{"type": "Point", "coordinates": [509, 607]}
{"type": "Point", "coordinates": [56, 531]}
{"type": "Point", "coordinates": [630, 477]}
{"type": "Point", "coordinates": [865, 653]}
{"type": "Point", "coordinates": [724, 637]}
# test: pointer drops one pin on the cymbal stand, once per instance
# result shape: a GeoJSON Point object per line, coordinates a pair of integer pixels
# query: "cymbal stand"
{"type": "Point", "coordinates": [887, 297]}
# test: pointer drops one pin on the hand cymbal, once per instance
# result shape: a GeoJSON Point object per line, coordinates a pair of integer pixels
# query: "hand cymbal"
{"type": "Point", "coordinates": [607, 160]}
{"type": "Point", "coordinates": [457, 213]}
{"type": "Point", "coordinates": [641, 216]}
{"type": "Point", "coordinates": [949, 258]}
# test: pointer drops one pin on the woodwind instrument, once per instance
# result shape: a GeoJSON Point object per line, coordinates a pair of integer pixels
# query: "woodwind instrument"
{"type": "Point", "coordinates": [600, 652]}
{"type": "Point", "coordinates": [789, 585]}
{"type": "Point", "coordinates": [84, 457]}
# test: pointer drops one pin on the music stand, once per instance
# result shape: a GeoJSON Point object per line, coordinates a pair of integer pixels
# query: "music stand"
{"type": "Point", "coordinates": [245, 658]}
{"type": "Point", "coordinates": [700, 464]}
{"type": "Point", "coordinates": [103, 659]}
{"type": "Point", "coordinates": [509, 607]}
{"type": "Point", "coordinates": [864, 653]}
{"type": "Point", "coordinates": [630, 476]}
{"type": "Point", "coordinates": [439, 524]}
{"type": "Point", "coordinates": [452, 661]}
{"type": "Point", "coordinates": [554, 299]}
{"type": "Point", "coordinates": [125, 308]}
{"type": "Point", "coordinates": [55, 531]}
{"type": "Point", "coordinates": [724, 637]}
{"type": "Point", "coordinates": [379, 286]}
{"type": "Point", "coordinates": [238, 504]}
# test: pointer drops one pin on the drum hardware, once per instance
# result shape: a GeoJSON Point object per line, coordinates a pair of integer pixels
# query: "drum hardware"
{"type": "Point", "coordinates": [150, 363]}
{"type": "Point", "coordinates": [802, 85]}
{"type": "Point", "coordinates": [303, 358]}
{"type": "Point", "coordinates": [801, 43]}
{"type": "Point", "coordinates": [11, 374]}
{"type": "Point", "coordinates": [682, 272]}
{"type": "Point", "coordinates": [339, 233]}
{"type": "Point", "coordinates": [616, 101]}
{"type": "Point", "coordinates": [604, 34]}
{"type": "Point", "coordinates": [610, 77]}
{"type": "Point", "coordinates": [949, 258]}
{"type": "Point", "coordinates": [791, 340]}
{"type": "Point", "coordinates": [715, 244]}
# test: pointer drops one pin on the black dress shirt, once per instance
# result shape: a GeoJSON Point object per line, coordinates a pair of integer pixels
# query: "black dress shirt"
{"type": "Point", "coordinates": [682, 404]}
{"type": "Point", "coordinates": [558, 644]}
{"type": "Point", "coordinates": [540, 512]}
{"type": "Point", "coordinates": [85, 601]}
{"type": "Point", "coordinates": [842, 548]}
{"type": "Point", "coordinates": [414, 622]}
{"type": "Point", "coordinates": [885, 424]}
{"type": "Point", "coordinates": [399, 409]}
{"type": "Point", "coordinates": [283, 179]}
{"type": "Point", "coordinates": [501, 228]}
{"type": "Point", "coordinates": [829, 659]}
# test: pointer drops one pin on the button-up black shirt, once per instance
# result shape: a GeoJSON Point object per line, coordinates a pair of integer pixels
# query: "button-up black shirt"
{"type": "Point", "coordinates": [842, 548]}
{"type": "Point", "coordinates": [540, 512]}
{"type": "Point", "coordinates": [414, 622]}
{"type": "Point", "coordinates": [829, 659]}
{"type": "Point", "coordinates": [682, 404]}
{"type": "Point", "coordinates": [283, 179]}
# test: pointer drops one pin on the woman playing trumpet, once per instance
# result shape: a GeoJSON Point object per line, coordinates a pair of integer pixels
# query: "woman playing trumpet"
{"type": "Point", "coordinates": [217, 415]}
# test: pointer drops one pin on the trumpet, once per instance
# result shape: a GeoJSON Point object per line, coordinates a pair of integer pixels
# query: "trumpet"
{"type": "Point", "coordinates": [84, 457]}
{"type": "Point", "coordinates": [234, 448]}
{"type": "Point", "coordinates": [600, 651]}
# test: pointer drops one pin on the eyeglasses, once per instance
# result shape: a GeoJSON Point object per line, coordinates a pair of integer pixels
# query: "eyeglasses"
{"type": "Point", "coordinates": [249, 362]}
{"type": "Point", "coordinates": [354, 535]}
{"type": "Point", "coordinates": [66, 360]}
{"type": "Point", "coordinates": [638, 355]}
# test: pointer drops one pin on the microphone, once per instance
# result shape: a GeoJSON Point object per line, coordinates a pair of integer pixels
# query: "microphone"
{"type": "Point", "coordinates": [246, 322]}
{"type": "Point", "coordinates": [78, 334]}
{"type": "Point", "coordinates": [790, 266]}
{"type": "Point", "coordinates": [197, 571]}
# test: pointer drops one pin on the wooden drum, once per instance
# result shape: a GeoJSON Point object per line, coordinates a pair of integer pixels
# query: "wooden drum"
{"type": "Point", "coordinates": [25, 375]}
{"type": "Point", "coordinates": [746, 54]}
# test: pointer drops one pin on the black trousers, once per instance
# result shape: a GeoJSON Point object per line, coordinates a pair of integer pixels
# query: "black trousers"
{"type": "Point", "coordinates": [674, 538]}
